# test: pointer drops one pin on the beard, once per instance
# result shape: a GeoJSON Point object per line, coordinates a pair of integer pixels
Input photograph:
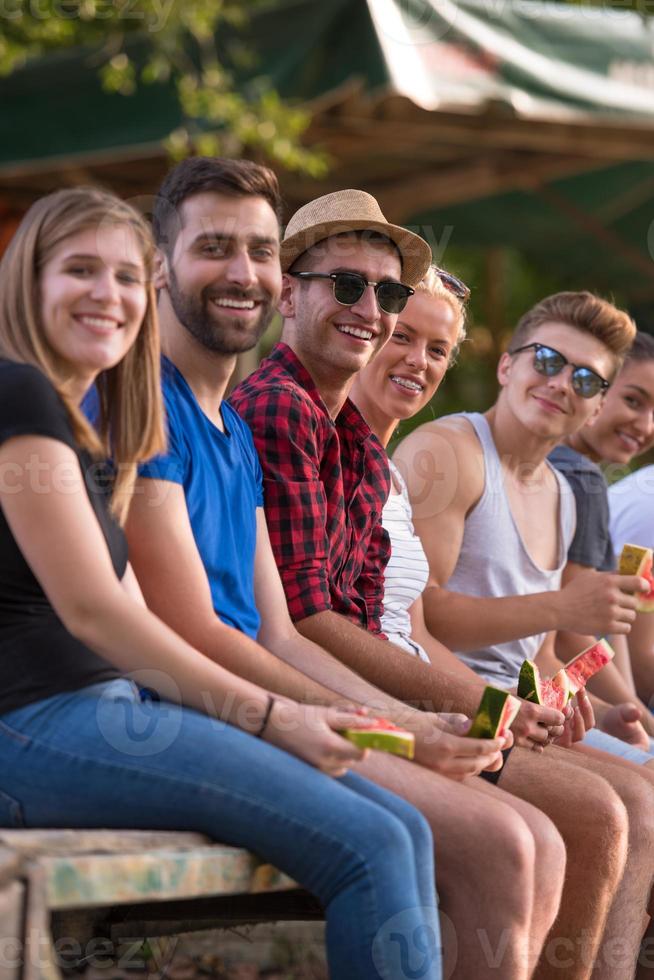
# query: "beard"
{"type": "Point", "coordinates": [226, 334]}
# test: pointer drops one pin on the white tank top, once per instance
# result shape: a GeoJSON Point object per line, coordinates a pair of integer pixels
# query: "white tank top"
{"type": "Point", "coordinates": [407, 571]}
{"type": "Point", "coordinates": [494, 561]}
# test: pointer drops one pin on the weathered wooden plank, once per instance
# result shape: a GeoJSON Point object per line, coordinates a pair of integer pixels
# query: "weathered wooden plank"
{"type": "Point", "coordinates": [31, 843]}
{"type": "Point", "coordinates": [12, 905]}
{"type": "Point", "coordinates": [159, 875]}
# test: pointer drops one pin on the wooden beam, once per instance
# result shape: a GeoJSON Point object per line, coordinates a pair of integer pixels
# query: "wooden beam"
{"type": "Point", "coordinates": [470, 180]}
{"type": "Point", "coordinates": [602, 139]}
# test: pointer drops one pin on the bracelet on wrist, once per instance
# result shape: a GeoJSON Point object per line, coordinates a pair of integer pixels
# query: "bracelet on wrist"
{"type": "Point", "coordinates": [266, 717]}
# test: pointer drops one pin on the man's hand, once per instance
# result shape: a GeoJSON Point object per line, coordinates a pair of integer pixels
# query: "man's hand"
{"type": "Point", "coordinates": [537, 725]}
{"type": "Point", "coordinates": [624, 722]}
{"type": "Point", "coordinates": [441, 745]}
{"type": "Point", "coordinates": [599, 603]}
{"type": "Point", "coordinates": [580, 720]}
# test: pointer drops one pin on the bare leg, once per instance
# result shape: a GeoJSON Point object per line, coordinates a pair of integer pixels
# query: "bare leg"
{"type": "Point", "coordinates": [485, 855]}
{"type": "Point", "coordinates": [549, 870]}
{"type": "Point", "coordinates": [627, 918]}
{"type": "Point", "coordinates": [593, 822]}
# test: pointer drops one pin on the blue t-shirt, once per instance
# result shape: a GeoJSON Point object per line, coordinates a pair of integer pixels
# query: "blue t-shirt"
{"type": "Point", "coordinates": [223, 486]}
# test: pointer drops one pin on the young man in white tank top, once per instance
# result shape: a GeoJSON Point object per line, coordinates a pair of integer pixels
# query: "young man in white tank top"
{"type": "Point", "coordinates": [496, 522]}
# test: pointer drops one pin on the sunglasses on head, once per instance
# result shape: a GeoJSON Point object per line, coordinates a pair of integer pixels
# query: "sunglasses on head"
{"type": "Point", "coordinates": [453, 284]}
{"type": "Point", "coordinates": [349, 287]}
{"type": "Point", "coordinates": [585, 382]}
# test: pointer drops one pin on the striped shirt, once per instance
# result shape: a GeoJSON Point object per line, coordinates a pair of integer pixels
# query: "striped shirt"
{"type": "Point", "coordinates": [407, 570]}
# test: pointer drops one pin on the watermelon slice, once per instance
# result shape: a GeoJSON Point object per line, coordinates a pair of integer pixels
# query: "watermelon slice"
{"type": "Point", "coordinates": [529, 682]}
{"type": "Point", "coordinates": [382, 734]}
{"type": "Point", "coordinates": [553, 693]}
{"type": "Point", "coordinates": [495, 715]}
{"type": "Point", "coordinates": [635, 560]}
{"type": "Point", "coordinates": [582, 667]}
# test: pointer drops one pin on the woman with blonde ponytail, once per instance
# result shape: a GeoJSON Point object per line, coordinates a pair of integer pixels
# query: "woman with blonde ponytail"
{"type": "Point", "coordinates": [81, 743]}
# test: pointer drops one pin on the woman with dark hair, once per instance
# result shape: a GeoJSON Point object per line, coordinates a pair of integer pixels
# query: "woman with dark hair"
{"type": "Point", "coordinates": [82, 743]}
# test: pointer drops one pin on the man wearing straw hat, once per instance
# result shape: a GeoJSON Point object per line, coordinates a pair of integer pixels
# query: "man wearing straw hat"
{"type": "Point", "coordinates": [325, 481]}
{"type": "Point", "coordinates": [200, 547]}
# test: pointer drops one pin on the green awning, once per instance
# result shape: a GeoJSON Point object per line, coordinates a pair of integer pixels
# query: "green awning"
{"type": "Point", "coordinates": [543, 61]}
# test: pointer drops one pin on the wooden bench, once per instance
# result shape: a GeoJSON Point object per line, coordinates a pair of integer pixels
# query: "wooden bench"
{"type": "Point", "coordinates": [64, 890]}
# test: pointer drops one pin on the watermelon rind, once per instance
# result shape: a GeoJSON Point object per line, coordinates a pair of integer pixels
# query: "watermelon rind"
{"type": "Point", "coordinates": [496, 712]}
{"type": "Point", "coordinates": [529, 682]}
{"type": "Point", "coordinates": [561, 682]}
{"type": "Point", "coordinates": [633, 558]}
{"type": "Point", "coordinates": [636, 560]}
{"type": "Point", "coordinates": [397, 742]}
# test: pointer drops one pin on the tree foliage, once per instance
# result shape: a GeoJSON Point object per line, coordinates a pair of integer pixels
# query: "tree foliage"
{"type": "Point", "coordinates": [144, 42]}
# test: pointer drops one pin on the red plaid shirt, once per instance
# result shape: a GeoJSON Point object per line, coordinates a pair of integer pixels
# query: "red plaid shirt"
{"type": "Point", "coordinates": [325, 483]}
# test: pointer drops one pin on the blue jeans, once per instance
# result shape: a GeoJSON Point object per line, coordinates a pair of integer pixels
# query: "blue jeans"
{"type": "Point", "coordinates": [104, 757]}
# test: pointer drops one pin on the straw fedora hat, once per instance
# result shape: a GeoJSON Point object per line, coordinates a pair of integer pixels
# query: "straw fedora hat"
{"type": "Point", "coordinates": [352, 210]}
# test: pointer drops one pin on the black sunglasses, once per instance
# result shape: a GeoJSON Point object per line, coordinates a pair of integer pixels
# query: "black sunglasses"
{"type": "Point", "coordinates": [453, 283]}
{"type": "Point", "coordinates": [585, 382]}
{"type": "Point", "coordinates": [349, 287]}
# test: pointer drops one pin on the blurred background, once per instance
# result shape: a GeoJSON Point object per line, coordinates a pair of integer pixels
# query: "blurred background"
{"type": "Point", "coordinates": [516, 136]}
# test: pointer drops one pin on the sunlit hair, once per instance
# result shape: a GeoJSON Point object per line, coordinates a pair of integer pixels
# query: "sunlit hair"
{"type": "Point", "coordinates": [586, 312]}
{"type": "Point", "coordinates": [130, 427]}
{"type": "Point", "coordinates": [432, 285]}
{"type": "Point", "coordinates": [209, 175]}
{"type": "Point", "coordinates": [642, 348]}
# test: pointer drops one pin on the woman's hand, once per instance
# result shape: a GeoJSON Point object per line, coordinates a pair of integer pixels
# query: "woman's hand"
{"type": "Point", "coordinates": [310, 732]}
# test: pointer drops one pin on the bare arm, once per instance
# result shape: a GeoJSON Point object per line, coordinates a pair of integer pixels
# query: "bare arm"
{"type": "Point", "coordinates": [534, 722]}
{"type": "Point", "coordinates": [387, 666]}
{"type": "Point", "coordinates": [623, 719]}
{"type": "Point", "coordinates": [131, 585]}
{"type": "Point", "coordinates": [609, 688]}
{"type": "Point", "coordinates": [443, 467]}
{"type": "Point", "coordinates": [279, 635]}
{"type": "Point", "coordinates": [641, 651]}
{"type": "Point", "coordinates": [60, 538]}
{"type": "Point", "coordinates": [174, 582]}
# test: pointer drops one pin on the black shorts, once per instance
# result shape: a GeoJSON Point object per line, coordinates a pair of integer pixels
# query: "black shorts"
{"type": "Point", "coordinates": [493, 777]}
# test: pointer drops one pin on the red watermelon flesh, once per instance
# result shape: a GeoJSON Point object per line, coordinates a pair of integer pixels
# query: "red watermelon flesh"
{"type": "Point", "coordinates": [509, 715]}
{"type": "Point", "coordinates": [555, 692]}
{"type": "Point", "coordinates": [582, 667]}
{"type": "Point", "coordinates": [646, 599]}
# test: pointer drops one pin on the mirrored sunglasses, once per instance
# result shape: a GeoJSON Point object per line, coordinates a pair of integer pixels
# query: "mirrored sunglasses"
{"type": "Point", "coordinates": [585, 382]}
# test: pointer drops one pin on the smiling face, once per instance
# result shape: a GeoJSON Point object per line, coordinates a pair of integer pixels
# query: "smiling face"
{"type": "Point", "coordinates": [327, 336]}
{"type": "Point", "coordinates": [404, 376]}
{"type": "Point", "coordinates": [625, 426]}
{"type": "Point", "coordinates": [223, 277]}
{"type": "Point", "coordinates": [548, 406]}
{"type": "Point", "coordinates": [93, 298]}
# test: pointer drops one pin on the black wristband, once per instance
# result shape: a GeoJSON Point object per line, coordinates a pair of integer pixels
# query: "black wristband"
{"type": "Point", "coordinates": [266, 717]}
